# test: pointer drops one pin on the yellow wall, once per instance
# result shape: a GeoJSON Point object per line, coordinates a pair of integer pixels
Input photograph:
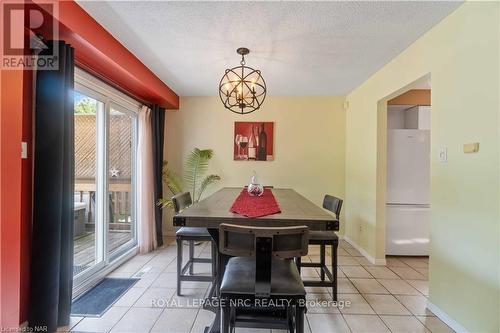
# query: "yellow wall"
{"type": "Point", "coordinates": [309, 142]}
{"type": "Point", "coordinates": [461, 54]}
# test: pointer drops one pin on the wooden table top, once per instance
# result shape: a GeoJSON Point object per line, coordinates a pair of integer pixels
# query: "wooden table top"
{"type": "Point", "coordinates": [295, 210]}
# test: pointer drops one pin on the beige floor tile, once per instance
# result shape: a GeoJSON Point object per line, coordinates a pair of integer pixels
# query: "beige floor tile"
{"type": "Point", "coordinates": [366, 324]}
{"type": "Point", "coordinates": [353, 252]}
{"type": "Point", "coordinates": [309, 272]}
{"type": "Point", "coordinates": [342, 252]}
{"type": "Point", "coordinates": [314, 257]}
{"type": "Point", "coordinates": [423, 271]}
{"type": "Point", "coordinates": [386, 305]}
{"type": "Point", "coordinates": [195, 284]}
{"type": "Point", "coordinates": [203, 319]}
{"type": "Point", "coordinates": [130, 266]}
{"type": "Point", "coordinates": [363, 261]}
{"type": "Point", "coordinates": [202, 268]}
{"type": "Point", "coordinates": [340, 274]}
{"type": "Point", "coordinates": [155, 298]}
{"type": "Point", "coordinates": [398, 287]}
{"type": "Point", "coordinates": [415, 262]}
{"type": "Point", "coordinates": [320, 303]}
{"type": "Point", "coordinates": [344, 243]}
{"type": "Point", "coordinates": [190, 298]}
{"type": "Point", "coordinates": [73, 321]}
{"type": "Point", "coordinates": [102, 324]}
{"type": "Point", "coordinates": [354, 304]}
{"type": "Point", "coordinates": [347, 261]}
{"type": "Point", "coordinates": [327, 323]}
{"type": "Point", "coordinates": [416, 304]}
{"type": "Point", "coordinates": [120, 275]}
{"type": "Point", "coordinates": [381, 272]}
{"type": "Point", "coordinates": [306, 259]}
{"type": "Point", "coordinates": [129, 298]}
{"type": "Point", "coordinates": [175, 321]}
{"type": "Point", "coordinates": [404, 324]}
{"type": "Point", "coordinates": [138, 320]}
{"type": "Point", "coordinates": [344, 286]}
{"type": "Point", "coordinates": [314, 250]}
{"type": "Point", "coordinates": [171, 268]}
{"type": "Point", "coordinates": [355, 272]}
{"type": "Point", "coordinates": [394, 262]}
{"type": "Point", "coordinates": [435, 325]}
{"type": "Point", "coordinates": [420, 285]}
{"type": "Point", "coordinates": [369, 286]}
{"type": "Point", "coordinates": [318, 290]}
{"type": "Point", "coordinates": [165, 280]}
{"type": "Point", "coordinates": [146, 281]}
{"type": "Point", "coordinates": [407, 273]}
{"type": "Point", "coordinates": [158, 265]}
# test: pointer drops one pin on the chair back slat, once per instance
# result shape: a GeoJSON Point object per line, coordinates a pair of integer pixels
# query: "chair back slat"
{"type": "Point", "coordinates": [333, 204]}
{"type": "Point", "coordinates": [181, 201]}
{"type": "Point", "coordinates": [287, 242]}
{"type": "Point", "coordinates": [262, 244]}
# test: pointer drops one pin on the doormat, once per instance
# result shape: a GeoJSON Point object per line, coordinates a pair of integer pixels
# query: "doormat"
{"type": "Point", "coordinates": [99, 299]}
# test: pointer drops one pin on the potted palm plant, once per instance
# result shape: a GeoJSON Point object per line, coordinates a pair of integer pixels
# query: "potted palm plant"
{"type": "Point", "coordinates": [194, 179]}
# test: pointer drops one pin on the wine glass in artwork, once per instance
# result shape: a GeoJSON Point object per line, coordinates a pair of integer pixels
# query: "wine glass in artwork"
{"type": "Point", "coordinates": [244, 145]}
{"type": "Point", "coordinates": [237, 140]}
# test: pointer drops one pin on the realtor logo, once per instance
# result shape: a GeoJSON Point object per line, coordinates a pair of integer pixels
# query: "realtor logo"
{"type": "Point", "coordinates": [23, 25]}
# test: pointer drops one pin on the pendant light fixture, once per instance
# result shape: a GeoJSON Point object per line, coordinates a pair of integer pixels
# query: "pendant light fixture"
{"type": "Point", "coordinates": [242, 89]}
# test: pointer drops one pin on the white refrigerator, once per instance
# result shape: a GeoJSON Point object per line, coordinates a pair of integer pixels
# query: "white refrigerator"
{"type": "Point", "coordinates": [408, 189]}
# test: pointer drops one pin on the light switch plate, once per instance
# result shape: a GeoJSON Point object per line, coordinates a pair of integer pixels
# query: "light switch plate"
{"type": "Point", "coordinates": [471, 147]}
{"type": "Point", "coordinates": [443, 155]}
{"type": "Point", "coordinates": [24, 150]}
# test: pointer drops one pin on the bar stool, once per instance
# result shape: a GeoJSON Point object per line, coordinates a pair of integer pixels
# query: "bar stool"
{"type": "Point", "coordinates": [191, 235]}
{"type": "Point", "coordinates": [324, 238]}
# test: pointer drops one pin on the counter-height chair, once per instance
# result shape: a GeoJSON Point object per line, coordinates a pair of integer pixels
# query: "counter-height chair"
{"type": "Point", "coordinates": [180, 202]}
{"type": "Point", "coordinates": [324, 238]}
{"type": "Point", "coordinates": [262, 271]}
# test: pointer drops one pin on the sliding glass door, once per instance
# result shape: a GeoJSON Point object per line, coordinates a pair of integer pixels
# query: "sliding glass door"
{"type": "Point", "coordinates": [88, 224]}
{"type": "Point", "coordinates": [105, 166]}
{"type": "Point", "coordinates": [121, 179]}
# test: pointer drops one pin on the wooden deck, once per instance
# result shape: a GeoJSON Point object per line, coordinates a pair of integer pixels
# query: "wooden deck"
{"type": "Point", "coordinates": [84, 255]}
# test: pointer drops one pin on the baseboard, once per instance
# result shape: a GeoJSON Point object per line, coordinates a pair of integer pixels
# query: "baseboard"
{"type": "Point", "coordinates": [371, 259]}
{"type": "Point", "coordinates": [452, 323]}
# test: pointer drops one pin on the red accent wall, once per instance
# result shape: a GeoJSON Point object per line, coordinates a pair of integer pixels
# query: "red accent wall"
{"type": "Point", "coordinates": [11, 130]}
{"type": "Point", "coordinates": [26, 194]}
{"type": "Point", "coordinates": [97, 51]}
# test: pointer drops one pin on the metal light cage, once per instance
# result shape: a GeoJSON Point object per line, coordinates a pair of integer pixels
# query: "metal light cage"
{"type": "Point", "coordinates": [242, 89]}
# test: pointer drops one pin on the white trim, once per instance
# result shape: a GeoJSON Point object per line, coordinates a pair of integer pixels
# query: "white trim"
{"type": "Point", "coordinates": [105, 89]}
{"type": "Point", "coordinates": [101, 274]}
{"type": "Point", "coordinates": [371, 259]}
{"type": "Point", "coordinates": [108, 98]}
{"type": "Point", "coordinates": [452, 323]}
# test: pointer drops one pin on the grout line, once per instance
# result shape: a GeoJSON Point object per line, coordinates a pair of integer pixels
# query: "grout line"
{"type": "Point", "coordinates": [157, 318]}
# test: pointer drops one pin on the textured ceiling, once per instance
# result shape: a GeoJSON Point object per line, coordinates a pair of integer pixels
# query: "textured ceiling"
{"type": "Point", "coordinates": [302, 48]}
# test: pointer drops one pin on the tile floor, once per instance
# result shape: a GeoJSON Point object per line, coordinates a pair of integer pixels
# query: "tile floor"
{"type": "Point", "coordinates": [389, 298]}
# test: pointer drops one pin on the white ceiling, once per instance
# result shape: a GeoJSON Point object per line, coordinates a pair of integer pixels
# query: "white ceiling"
{"type": "Point", "coordinates": [302, 48]}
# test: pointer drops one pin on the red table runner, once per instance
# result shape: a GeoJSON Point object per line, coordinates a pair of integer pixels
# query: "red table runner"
{"type": "Point", "coordinates": [252, 207]}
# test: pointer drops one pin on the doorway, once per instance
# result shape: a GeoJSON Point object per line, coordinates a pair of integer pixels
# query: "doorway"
{"type": "Point", "coordinates": [105, 166]}
{"type": "Point", "coordinates": [407, 197]}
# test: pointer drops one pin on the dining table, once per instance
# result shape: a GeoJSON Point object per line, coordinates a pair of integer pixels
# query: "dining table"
{"type": "Point", "coordinates": [295, 210]}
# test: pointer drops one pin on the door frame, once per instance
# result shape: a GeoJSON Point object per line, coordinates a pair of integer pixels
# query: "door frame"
{"type": "Point", "coordinates": [110, 98]}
